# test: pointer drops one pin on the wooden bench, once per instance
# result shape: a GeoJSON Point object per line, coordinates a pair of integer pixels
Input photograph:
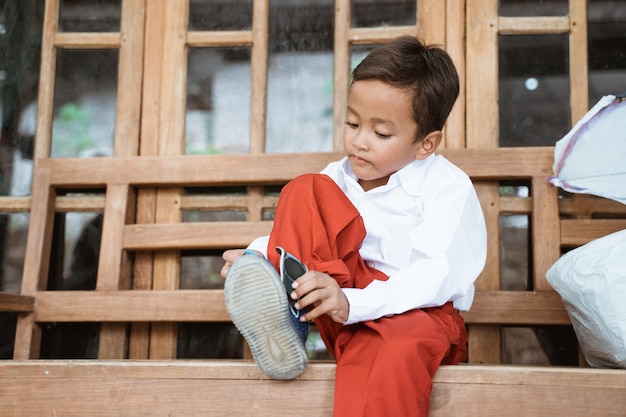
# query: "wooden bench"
{"type": "Point", "coordinates": [218, 387]}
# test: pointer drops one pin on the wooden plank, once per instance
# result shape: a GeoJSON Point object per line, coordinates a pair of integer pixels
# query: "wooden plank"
{"type": "Point", "coordinates": [341, 69]}
{"type": "Point", "coordinates": [490, 307]}
{"type": "Point", "coordinates": [380, 34]}
{"type": "Point", "coordinates": [200, 170]}
{"type": "Point", "coordinates": [482, 74]}
{"type": "Point", "coordinates": [128, 111]}
{"type": "Point", "coordinates": [258, 64]}
{"type": "Point", "coordinates": [110, 259]}
{"type": "Point", "coordinates": [431, 22]}
{"type": "Point", "coordinates": [191, 170]}
{"type": "Point", "coordinates": [545, 231]}
{"type": "Point", "coordinates": [485, 342]}
{"type": "Point", "coordinates": [112, 335]}
{"type": "Point", "coordinates": [36, 258]}
{"type": "Point", "coordinates": [226, 388]}
{"type": "Point", "coordinates": [576, 232]}
{"type": "Point", "coordinates": [513, 391]}
{"type": "Point", "coordinates": [14, 204]}
{"type": "Point", "coordinates": [171, 141]}
{"type": "Point", "coordinates": [166, 275]}
{"type": "Point", "coordinates": [578, 60]}
{"type": "Point", "coordinates": [153, 52]}
{"type": "Point", "coordinates": [151, 82]}
{"type": "Point", "coordinates": [219, 39]}
{"type": "Point", "coordinates": [541, 25]}
{"type": "Point", "coordinates": [454, 131]}
{"type": "Point", "coordinates": [173, 81]}
{"type": "Point", "coordinates": [131, 306]}
{"type": "Point", "coordinates": [584, 205]}
{"type": "Point", "coordinates": [91, 40]}
{"type": "Point", "coordinates": [517, 308]}
{"type": "Point", "coordinates": [45, 97]}
{"type": "Point", "coordinates": [196, 235]}
{"type": "Point", "coordinates": [16, 303]}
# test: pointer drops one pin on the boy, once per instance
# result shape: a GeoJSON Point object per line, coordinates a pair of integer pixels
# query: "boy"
{"type": "Point", "coordinates": [393, 238]}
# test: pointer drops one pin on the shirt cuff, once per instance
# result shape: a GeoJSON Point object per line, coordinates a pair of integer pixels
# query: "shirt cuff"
{"type": "Point", "coordinates": [363, 306]}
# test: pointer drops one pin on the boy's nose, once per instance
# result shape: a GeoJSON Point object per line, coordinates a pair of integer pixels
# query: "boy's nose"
{"type": "Point", "coordinates": [360, 141]}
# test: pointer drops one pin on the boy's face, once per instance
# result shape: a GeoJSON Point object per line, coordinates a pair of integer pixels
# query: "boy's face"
{"type": "Point", "coordinates": [380, 132]}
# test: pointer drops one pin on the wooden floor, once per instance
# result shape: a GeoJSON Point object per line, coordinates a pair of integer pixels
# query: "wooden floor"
{"type": "Point", "coordinates": [235, 388]}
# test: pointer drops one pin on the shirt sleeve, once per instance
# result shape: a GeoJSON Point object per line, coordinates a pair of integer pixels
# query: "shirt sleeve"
{"type": "Point", "coordinates": [260, 244]}
{"type": "Point", "coordinates": [449, 249]}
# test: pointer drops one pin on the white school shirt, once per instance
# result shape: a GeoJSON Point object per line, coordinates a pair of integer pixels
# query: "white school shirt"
{"type": "Point", "coordinates": [424, 229]}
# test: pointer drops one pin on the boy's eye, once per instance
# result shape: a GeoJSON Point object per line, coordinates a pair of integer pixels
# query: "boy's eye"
{"type": "Point", "coordinates": [382, 135]}
{"type": "Point", "coordinates": [352, 125]}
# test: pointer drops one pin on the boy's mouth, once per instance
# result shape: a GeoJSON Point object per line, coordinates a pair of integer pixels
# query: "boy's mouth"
{"type": "Point", "coordinates": [358, 160]}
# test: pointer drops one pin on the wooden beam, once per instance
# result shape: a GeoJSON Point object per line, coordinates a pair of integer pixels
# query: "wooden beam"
{"type": "Point", "coordinates": [533, 25]}
{"type": "Point", "coordinates": [131, 306]}
{"type": "Point", "coordinates": [246, 169]}
{"type": "Point", "coordinates": [226, 388]}
{"type": "Point", "coordinates": [196, 235]}
{"type": "Point", "coordinates": [490, 307]}
{"type": "Point", "coordinates": [16, 303]}
{"type": "Point", "coordinates": [517, 308]}
{"type": "Point", "coordinates": [576, 232]}
{"type": "Point", "coordinates": [381, 34]}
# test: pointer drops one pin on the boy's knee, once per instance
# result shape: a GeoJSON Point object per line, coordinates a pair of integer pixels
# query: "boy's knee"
{"type": "Point", "coordinates": [311, 183]}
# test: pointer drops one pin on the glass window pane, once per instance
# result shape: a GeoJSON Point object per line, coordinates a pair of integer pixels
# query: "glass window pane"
{"type": "Point", "coordinates": [534, 89]}
{"type": "Point", "coordinates": [85, 103]}
{"type": "Point", "coordinates": [209, 341]}
{"type": "Point", "coordinates": [220, 14]}
{"type": "Point", "coordinates": [20, 49]}
{"type": "Point", "coordinates": [540, 345]}
{"type": "Point", "coordinates": [358, 53]}
{"type": "Point", "coordinates": [70, 340]}
{"type": "Point", "coordinates": [368, 13]}
{"type": "Point", "coordinates": [514, 253]}
{"type": "Point", "coordinates": [74, 261]}
{"type": "Point", "coordinates": [8, 323]}
{"type": "Point", "coordinates": [13, 233]}
{"type": "Point", "coordinates": [215, 216]}
{"type": "Point", "coordinates": [90, 16]}
{"type": "Point", "coordinates": [218, 101]}
{"type": "Point", "coordinates": [300, 78]}
{"type": "Point", "coordinates": [606, 29]}
{"type": "Point", "coordinates": [201, 270]}
{"type": "Point", "coordinates": [532, 7]}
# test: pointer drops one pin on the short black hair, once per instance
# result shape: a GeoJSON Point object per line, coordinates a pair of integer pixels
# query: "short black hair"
{"type": "Point", "coordinates": [426, 70]}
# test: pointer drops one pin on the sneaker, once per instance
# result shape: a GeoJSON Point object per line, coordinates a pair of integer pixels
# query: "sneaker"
{"type": "Point", "coordinates": [259, 307]}
{"type": "Point", "coordinates": [290, 270]}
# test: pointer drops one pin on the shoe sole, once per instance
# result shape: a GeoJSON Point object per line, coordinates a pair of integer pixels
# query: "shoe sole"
{"type": "Point", "coordinates": [258, 306]}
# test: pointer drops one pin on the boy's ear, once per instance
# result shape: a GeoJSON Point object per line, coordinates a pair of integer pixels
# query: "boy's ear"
{"type": "Point", "coordinates": [429, 144]}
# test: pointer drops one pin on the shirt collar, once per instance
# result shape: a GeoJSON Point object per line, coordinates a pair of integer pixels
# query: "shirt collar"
{"type": "Point", "coordinates": [410, 177]}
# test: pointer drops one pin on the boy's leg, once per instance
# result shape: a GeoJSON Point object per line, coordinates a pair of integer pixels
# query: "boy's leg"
{"type": "Point", "coordinates": [318, 224]}
{"type": "Point", "coordinates": [255, 297]}
{"type": "Point", "coordinates": [385, 367]}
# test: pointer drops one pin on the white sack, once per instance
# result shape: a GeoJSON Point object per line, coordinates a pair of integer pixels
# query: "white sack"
{"type": "Point", "coordinates": [591, 280]}
{"type": "Point", "coordinates": [591, 158]}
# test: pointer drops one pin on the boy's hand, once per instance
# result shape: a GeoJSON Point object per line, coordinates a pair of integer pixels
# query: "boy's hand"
{"type": "Point", "coordinates": [229, 257]}
{"type": "Point", "coordinates": [322, 294]}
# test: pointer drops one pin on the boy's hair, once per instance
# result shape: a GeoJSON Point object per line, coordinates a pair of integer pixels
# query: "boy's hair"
{"type": "Point", "coordinates": [427, 71]}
